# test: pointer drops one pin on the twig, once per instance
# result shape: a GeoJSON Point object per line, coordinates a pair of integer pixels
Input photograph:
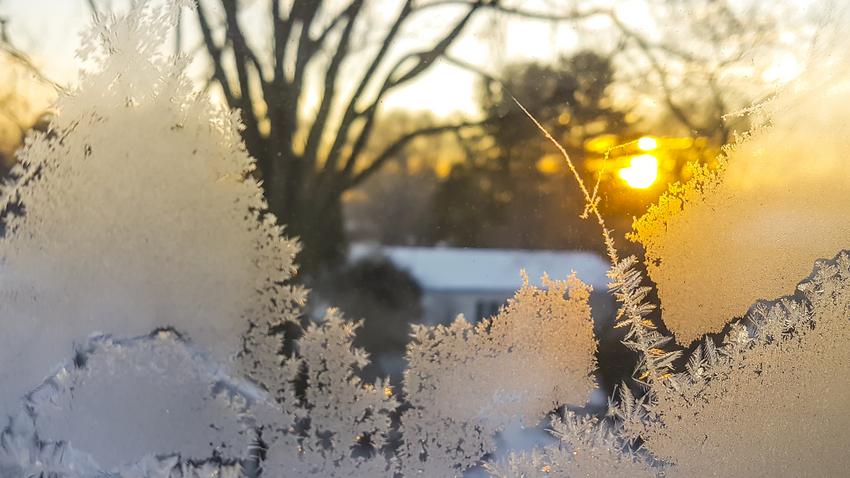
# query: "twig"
{"type": "Point", "coordinates": [591, 201]}
{"type": "Point", "coordinates": [655, 363]}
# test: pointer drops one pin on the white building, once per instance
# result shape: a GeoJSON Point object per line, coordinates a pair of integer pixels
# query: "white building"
{"type": "Point", "coordinates": [476, 282]}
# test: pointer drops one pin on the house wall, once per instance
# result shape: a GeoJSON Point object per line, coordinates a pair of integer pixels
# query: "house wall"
{"type": "Point", "coordinates": [441, 307]}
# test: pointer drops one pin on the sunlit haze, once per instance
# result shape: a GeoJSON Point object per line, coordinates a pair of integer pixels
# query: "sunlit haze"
{"type": "Point", "coordinates": [492, 41]}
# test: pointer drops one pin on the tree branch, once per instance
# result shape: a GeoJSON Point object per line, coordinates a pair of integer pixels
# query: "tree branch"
{"type": "Point", "coordinates": [306, 11]}
{"type": "Point", "coordinates": [646, 48]}
{"type": "Point", "coordinates": [573, 15]}
{"type": "Point", "coordinates": [215, 52]}
{"type": "Point", "coordinates": [314, 137]}
{"type": "Point", "coordinates": [178, 33]}
{"type": "Point", "coordinates": [243, 55]}
{"type": "Point", "coordinates": [720, 105]}
{"type": "Point", "coordinates": [24, 60]}
{"type": "Point", "coordinates": [474, 69]}
{"type": "Point", "coordinates": [319, 40]}
{"type": "Point", "coordinates": [94, 11]}
{"type": "Point", "coordinates": [399, 145]}
{"type": "Point", "coordinates": [351, 110]}
{"type": "Point", "coordinates": [425, 60]}
{"type": "Point", "coordinates": [282, 28]}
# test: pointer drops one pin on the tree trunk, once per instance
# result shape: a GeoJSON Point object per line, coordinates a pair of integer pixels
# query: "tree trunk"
{"type": "Point", "coordinates": [310, 214]}
{"type": "Point", "coordinates": [321, 234]}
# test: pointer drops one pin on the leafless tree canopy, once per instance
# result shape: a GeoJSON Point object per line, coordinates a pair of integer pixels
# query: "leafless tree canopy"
{"type": "Point", "coordinates": [304, 179]}
{"type": "Point", "coordinates": [307, 163]}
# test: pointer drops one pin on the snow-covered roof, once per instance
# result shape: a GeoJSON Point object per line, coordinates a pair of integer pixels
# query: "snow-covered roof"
{"type": "Point", "coordinates": [450, 268]}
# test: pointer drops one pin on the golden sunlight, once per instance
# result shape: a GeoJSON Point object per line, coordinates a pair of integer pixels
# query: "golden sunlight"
{"type": "Point", "coordinates": [443, 168]}
{"type": "Point", "coordinates": [549, 164]}
{"type": "Point", "coordinates": [647, 143]}
{"type": "Point", "coordinates": [642, 171]}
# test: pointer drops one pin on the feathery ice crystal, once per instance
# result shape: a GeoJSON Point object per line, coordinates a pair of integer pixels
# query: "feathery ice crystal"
{"type": "Point", "coordinates": [137, 211]}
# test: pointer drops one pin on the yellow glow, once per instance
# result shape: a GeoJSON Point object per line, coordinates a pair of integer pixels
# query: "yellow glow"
{"type": "Point", "coordinates": [549, 164]}
{"type": "Point", "coordinates": [642, 171]}
{"type": "Point", "coordinates": [783, 70]}
{"type": "Point", "coordinates": [647, 143]}
{"type": "Point", "coordinates": [443, 168]}
{"type": "Point", "coordinates": [600, 144]}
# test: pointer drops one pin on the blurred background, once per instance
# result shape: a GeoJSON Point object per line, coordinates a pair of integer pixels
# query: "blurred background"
{"type": "Point", "coordinates": [387, 138]}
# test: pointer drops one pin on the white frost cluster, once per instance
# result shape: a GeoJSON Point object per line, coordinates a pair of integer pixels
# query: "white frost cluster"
{"type": "Point", "coordinates": [587, 446]}
{"type": "Point", "coordinates": [465, 383]}
{"type": "Point", "coordinates": [328, 422]}
{"type": "Point", "coordinates": [136, 210]}
{"type": "Point", "coordinates": [112, 387]}
{"type": "Point", "coordinates": [149, 406]}
{"type": "Point", "coordinates": [771, 401]}
{"type": "Point", "coordinates": [768, 401]}
{"type": "Point", "coordinates": [747, 231]}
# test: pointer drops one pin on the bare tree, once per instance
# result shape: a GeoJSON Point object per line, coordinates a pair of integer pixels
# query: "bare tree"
{"type": "Point", "coordinates": [707, 64]}
{"type": "Point", "coordinates": [304, 180]}
{"type": "Point", "coordinates": [701, 60]}
{"type": "Point", "coordinates": [307, 163]}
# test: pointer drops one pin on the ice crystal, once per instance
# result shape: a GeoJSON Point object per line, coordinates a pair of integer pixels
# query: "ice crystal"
{"type": "Point", "coordinates": [465, 382]}
{"type": "Point", "coordinates": [766, 401]}
{"type": "Point", "coordinates": [463, 385]}
{"type": "Point", "coordinates": [144, 407]}
{"type": "Point", "coordinates": [136, 210]}
{"type": "Point", "coordinates": [742, 233]}
{"type": "Point", "coordinates": [165, 228]}
{"type": "Point", "coordinates": [172, 398]}
{"type": "Point", "coordinates": [587, 446]}
{"type": "Point", "coordinates": [770, 400]}
{"type": "Point", "coordinates": [24, 454]}
{"type": "Point", "coordinates": [337, 425]}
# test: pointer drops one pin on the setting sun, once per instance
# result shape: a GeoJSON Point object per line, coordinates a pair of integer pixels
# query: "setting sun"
{"type": "Point", "coordinates": [647, 143]}
{"type": "Point", "coordinates": [642, 171]}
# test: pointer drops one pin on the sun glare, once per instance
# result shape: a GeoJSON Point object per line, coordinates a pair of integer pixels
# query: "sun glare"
{"type": "Point", "coordinates": [647, 143]}
{"type": "Point", "coordinates": [642, 171]}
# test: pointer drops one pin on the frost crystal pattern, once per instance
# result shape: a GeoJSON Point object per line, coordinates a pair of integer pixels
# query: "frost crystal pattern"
{"type": "Point", "coordinates": [744, 233]}
{"type": "Point", "coordinates": [465, 383]}
{"type": "Point", "coordinates": [770, 401]}
{"type": "Point", "coordinates": [136, 210]}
